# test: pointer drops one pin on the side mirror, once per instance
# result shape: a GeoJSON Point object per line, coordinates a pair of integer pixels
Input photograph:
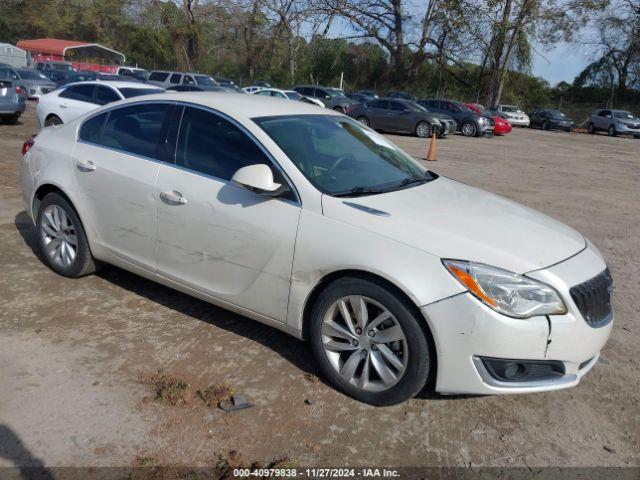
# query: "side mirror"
{"type": "Point", "coordinates": [257, 178]}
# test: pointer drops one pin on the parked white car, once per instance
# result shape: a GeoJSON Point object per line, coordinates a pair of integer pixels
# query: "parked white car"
{"type": "Point", "coordinates": [75, 99]}
{"type": "Point", "coordinates": [514, 115]}
{"type": "Point", "coordinates": [252, 89]}
{"type": "Point", "coordinates": [287, 94]}
{"type": "Point", "coordinates": [313, 223]}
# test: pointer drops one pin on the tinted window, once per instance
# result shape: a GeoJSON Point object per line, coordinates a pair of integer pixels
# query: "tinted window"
{"type": "Point", "coordinates": [211, 145]}
{"type": "Point", "coordinates": [158, 76]}
{"type": "Point", "coordinates": [81, 93]}
{"type": "Point", "coordinates": [397, 106]}
{"type": "Point", "coordinates": [106, 95]}
{"type": "Point", "coordinates": [136, 92]}
{"type": "Point", "coordinates": [136, 129]}
{"type": "Point", "coordinates": [378, 104]}
{"type": "Point", "coordinates": [91, 130]}
{"type": "Point", "coordinates": [175, 78]}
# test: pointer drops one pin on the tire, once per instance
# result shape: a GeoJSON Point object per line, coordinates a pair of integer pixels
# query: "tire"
{"type": "Point", "coordinates": [468, 129]}
{"type": "Point", "coordinates": [636, 137]}
{"type": "Point", "coordinates": [57, 221]}
{"type": "Point", "coordinates": [545, 125]}
{"type": "Point", "coordinates": [363, 120]}
{"type": "Point", "coordinates": [52, 120]}
{"type": "Point", "coordinates": [391, 379]}
{"type": "Point", "coordinates": [612, 131]}
{"type": "Point", "coordinates": [591, 128]}
{"type": "Point", "coordinates": [339, 109]}
{"type": "Point", "coordinates": [423, 130]}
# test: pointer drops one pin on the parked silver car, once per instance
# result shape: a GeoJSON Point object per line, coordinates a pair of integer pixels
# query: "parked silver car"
{"type": "Point", "coordinates": [166, 79]}
{"type": "Point", "coordinates": [614, 122]}
{"type": "Point", "coordinates": [33, 82]}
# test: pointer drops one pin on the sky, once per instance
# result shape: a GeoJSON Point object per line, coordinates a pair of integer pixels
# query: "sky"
{"type": "Point", "coordinates": [562, 63]}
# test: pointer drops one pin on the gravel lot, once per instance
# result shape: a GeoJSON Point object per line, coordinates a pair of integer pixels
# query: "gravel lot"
{"type": "Point", "coordinates": [76, 356]}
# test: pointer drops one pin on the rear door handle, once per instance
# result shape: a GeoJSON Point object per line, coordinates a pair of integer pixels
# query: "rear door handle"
{"type": "Point", "coordinates": [63, 105]}
{"type": "Point", "coordinates": [87, 166]}
{"type": "Point", "coordinates": [173, 197]}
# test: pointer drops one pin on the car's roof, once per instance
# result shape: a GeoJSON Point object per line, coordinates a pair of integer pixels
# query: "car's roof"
{"type": "Point", "coordinates": [238, 104]}
{"type": "Point", "coordinates": [117, 84]}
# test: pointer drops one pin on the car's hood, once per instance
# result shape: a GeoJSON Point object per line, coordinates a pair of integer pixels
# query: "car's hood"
{"type": "Point", "coordinates": [442, 116]}
{"type": "Point", "coordinates": [453, 220]}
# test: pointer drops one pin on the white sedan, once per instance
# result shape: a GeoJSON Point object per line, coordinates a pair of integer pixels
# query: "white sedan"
{"type": "Point", "coordinates": [75, 99]}
{"type": "Point", "coordinates": [287, 94]}
{"type": "Point", "coordinates": [312, 223]}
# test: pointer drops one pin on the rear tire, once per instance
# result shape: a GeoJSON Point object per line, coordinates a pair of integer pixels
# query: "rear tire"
{"type": "Point", "coordinates": [545, 125]}
{"type": "Point", "coordinates": [591, 128]}
{"type": "Point", "coordinates": [612, 131]}
{"type": "Point", "coordinates": [363, 120]}
{"type": "Point", "coordinates": [10, 119]}
{"type": "Point", "coordinates": [339, 109]}
{"type": "Point", "coordinates": [61, 237]}
{"type": "Point", "coordinates": [383, 363]}
{"type": "Point", "coordinates": [52, 120]}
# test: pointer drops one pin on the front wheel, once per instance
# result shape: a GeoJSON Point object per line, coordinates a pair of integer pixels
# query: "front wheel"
{"type": "Point", "coordinates": [368, 342]}
{"type": "Point", "coordinates": [591, 128]}
{"type": "Point", "coordinates": [545, 125]}
{"type": "Point", "coordinates": [62, 240]}
{"type": "Point", "coordinates": [469, 129]}
{"type": "Point", "coordinates": [612, 131]}
{"type": "Point", "coordinates": [423, 130]}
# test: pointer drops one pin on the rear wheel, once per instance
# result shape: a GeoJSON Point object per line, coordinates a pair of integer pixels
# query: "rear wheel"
{"type": "Point", "coordinates": [545, 125]}
{"type": "Point", "coordinates": [10, 119]}
{"type": "Point", "coordinates": [52, 120]}
{"type": "Point", "coordinates": [591, 128]}
{"type": "Point", "coordinates": [339, 109]}
{"type": "Point", "coordinates": [62, 240]}
{"type": "Point", "coordinates": [612, 131]}
{"type": "Point", "coordinates": [469, 129]}
{"type": "Point", "coordinates": [363, 120]}
{"type": "Point", "coordinates": [368, 342]}
{"type": "Point", "coordinates": [423, 130]}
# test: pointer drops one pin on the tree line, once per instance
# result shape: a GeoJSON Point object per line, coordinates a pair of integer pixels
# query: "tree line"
{"type": "Point", "coordinates": [479, 50]}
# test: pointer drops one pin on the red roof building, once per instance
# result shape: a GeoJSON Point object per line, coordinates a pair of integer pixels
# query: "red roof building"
{"type": "Point", "coordinates": [82, 55]}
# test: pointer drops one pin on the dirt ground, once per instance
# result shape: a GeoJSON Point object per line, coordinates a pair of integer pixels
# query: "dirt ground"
{"type": "Point", "coordinates": [76, 355]}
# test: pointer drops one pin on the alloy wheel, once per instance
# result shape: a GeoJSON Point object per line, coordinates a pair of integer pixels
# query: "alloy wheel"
{"type": "Point", "coordinates": [468, 129]}
{"type": "Point", "coordinates": [423, 130]}
{"type": "Point", "coordinates": [364, 121]}
{"type": "Point", "coordinates": [58, 236]}
{"type": "Point", "coordinates": [364, 343]}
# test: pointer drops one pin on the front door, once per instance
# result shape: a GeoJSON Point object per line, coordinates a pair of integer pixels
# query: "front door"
{"type": "Point", "coordinates": [215, 236]}
{"type": "Point", "coordinates": [116, 166]}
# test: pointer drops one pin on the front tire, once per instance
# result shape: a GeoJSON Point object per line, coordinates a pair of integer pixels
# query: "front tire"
{"type": "Point", "coordinates": [591, 128]}
{"type": "Point", "coordinates": [62, 240]}
{"type": "Point", "coordinates": [612, 131]}
{"type": "Point", "coordinates": [423, 130]}
{"type": "Point", "coordinates": [468, 129]}
{"type": "Point", "coordinates": [368, 342]}
{"type": "Point", "coordinates": [545, 125]}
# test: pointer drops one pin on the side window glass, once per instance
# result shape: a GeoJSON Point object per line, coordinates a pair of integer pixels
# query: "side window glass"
{"type": "Point", "coordinates": [136, 129]}
{"type": "Point", "coordinates": [396, 106]}
{"type": "Point", "coordinates": [211, 145]}
{"type": "Point", "coordinates": [175, 78]}
{"type": "Point", "coordinates": [188, 80]}
{"type": "Point", "coordinates": [91, 130]}
{"type": "Point", "coordinates": [81, 93]}
{"type": "Point", "coordinates": [105, 95]}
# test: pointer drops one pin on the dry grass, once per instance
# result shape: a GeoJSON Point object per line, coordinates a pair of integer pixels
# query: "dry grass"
{"type": "Point", "coordinates": [167, 389]}
{"type": "Point", "coordinates": [214, 394]}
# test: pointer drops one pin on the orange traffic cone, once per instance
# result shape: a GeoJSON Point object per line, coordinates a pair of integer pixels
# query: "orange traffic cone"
{"type": "Point", "coordinates": [431, 155]}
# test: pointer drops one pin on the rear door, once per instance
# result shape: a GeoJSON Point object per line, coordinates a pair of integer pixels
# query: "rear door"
{"type": "Point", "coordinates": [603, 119]}
{"type": "Point", "coordinates": [116, 161]}
{"type": "Point", "coordinates": [76, 100]}
{"type": "Point", "coordinates": [215, 236]}
{"type": "Point", "coordinates": [377, 112]}
{"type": "Point", "coordinates": [399, 117]}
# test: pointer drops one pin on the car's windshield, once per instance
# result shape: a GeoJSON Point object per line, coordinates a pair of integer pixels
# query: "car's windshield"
{"type": "Point", "coordinates": [621, 114]}
{"type": "Point", "coordinates": [205, 80]}
{"type": "Point", "coordinates": [510, 109]}
{"type": "Point", "coordinates": [130, 92]}
{"type": "Point", "coordinates": [339, 156]}
{"type": "Point", "coordinates": [62, 67]}
{"type": "Point", "coordinates": [335, 93]}
{"type": "Point", "coordinates": [414, 107]}
{"type": "Point", "coordinates": [31, 75]}
{"type": "Point", "coordinates": [293, 95]}
{"type": "Point", "coordinates": [556, 113]}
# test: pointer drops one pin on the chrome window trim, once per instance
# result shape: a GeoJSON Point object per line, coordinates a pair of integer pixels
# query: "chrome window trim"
{"type": "Point", "coordinates": [297, 202]}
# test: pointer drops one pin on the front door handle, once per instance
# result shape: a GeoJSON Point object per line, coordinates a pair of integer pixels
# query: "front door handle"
{"type": "Point", "coordinates": [173, 197]}
{"type": "Point", "coordinates": [63, 105]}
{"type": "Point", "coordinates": [87, 166]}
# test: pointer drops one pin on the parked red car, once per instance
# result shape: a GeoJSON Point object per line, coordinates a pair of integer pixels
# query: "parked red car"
{"type": "Point", "coordinates": [502, 126]}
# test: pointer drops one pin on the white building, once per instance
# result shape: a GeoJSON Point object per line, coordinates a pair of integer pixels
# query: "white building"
{"type": "Point", "coordinates": [14, 56]}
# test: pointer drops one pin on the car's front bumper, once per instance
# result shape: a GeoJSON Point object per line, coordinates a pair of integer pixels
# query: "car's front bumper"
{"type": "Point", "coordinates": [522, 122]}
{"type": "Point", "coordinates": [465, 330]}
{"type": "Point", "coordinates": [623, 129]}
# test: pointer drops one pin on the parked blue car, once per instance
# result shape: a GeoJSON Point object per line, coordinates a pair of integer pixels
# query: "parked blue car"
{"type": "Point", "coordinates": [12, 102]}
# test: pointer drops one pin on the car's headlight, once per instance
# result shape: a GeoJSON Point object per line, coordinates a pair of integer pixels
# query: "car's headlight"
{"type": "Point", "coordinates": [481, 120]}
{"type": "Point", "coordinates": [507, 292]}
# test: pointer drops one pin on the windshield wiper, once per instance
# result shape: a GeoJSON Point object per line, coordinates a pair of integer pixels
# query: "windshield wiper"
{"type": "Point", "coordinates": [406, 182]}
{"type": "Point", "coordinates": [357, 191]}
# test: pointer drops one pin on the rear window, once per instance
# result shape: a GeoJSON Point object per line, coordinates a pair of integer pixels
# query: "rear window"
{"type": "Point", "coordinates": [91, 130]}
{"type": "Point", "coordinates": [158, 76]}
{"type": "Point", "coordinates": [136, 129]}
{"type": "Point", "coordinates": [175, 78]}
{"type": "Point", "coordinates": [131, 92]}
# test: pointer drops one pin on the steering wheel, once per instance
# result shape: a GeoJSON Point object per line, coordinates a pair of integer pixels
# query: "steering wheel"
{"type": "Point", "coordinates": [347, 157]}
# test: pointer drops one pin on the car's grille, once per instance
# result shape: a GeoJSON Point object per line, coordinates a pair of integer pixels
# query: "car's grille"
{"type": "Point", "coordinates": [593, 299]}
